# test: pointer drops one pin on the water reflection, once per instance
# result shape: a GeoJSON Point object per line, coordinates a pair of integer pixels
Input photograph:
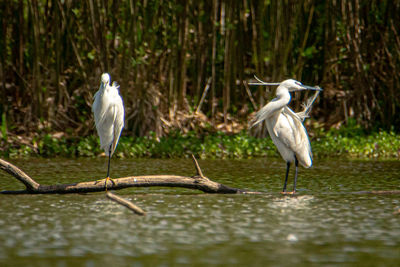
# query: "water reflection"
{"type": "Point", "coordinates": [324, 224]}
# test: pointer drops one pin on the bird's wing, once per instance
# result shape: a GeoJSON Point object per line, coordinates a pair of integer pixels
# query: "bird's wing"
{"type": "Point", "coordinates": [262, 114]}
{"type": "Point", "coordinates": [119, 114]}
{"type": "Point", "coordinates": [289, 112]}
{"type": "Point", "coordinates": [108, 118]}
{"type": "Point", "coordinates": [94, 99]}
{"type": "Point", "coordinates": [290, 130]}
{"type": "Point", "coordinates": [95, 102]}
{"type": "Point", "coordinates": [116, 113]}
{"type": "Point", "coordinates": [101, 104]}
{"type": "Point", "coordinates": [284, 130]}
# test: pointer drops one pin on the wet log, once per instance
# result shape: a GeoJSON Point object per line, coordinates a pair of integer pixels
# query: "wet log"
{"type": "Point", "coordinates": [197, 182]}
{"type": "Point", "coordinates": [126, 203]}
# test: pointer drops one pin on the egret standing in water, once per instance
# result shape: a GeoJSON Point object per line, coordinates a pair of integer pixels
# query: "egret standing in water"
{"type": "Point", "coordinates": [108, 111]}
{"type": "Point", "coordinates": [285, 127]}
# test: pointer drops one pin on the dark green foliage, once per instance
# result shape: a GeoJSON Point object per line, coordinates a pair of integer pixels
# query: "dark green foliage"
{"type": "Point", "coordinates": [333, 143]}
{"type": "Point", "coordinates": [345, 143]}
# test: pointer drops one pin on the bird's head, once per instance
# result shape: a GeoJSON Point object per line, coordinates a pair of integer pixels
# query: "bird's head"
{"type": "Point", "coordinates": [293, 85]}
{"type": "Point", "coordinates": [105, 78]}
{"type": "Point", "coordinates": [286, 86]}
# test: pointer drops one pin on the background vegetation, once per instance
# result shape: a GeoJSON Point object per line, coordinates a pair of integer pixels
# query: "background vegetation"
{"type": "Point", "coordinates": [165, 54]}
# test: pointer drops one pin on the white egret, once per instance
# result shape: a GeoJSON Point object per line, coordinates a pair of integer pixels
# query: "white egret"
{"type": "Point", "coordinates": [285, 127]}
{"type": "Point", "coordinates": [108, 110]}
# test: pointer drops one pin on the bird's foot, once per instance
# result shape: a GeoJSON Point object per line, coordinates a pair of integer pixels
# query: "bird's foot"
{"type": "Point", "coordinates": [106, 181]}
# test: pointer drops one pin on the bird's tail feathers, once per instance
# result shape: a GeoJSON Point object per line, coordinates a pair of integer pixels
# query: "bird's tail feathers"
{"type": "Point", "coordinates": [261, 115]}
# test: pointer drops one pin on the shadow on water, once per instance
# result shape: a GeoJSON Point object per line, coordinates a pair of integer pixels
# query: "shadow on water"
{"type": "Point", "coordinates": [325, 223]}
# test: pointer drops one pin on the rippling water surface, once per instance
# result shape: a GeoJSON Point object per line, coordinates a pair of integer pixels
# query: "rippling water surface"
{"type": "Point", "coordinates": [326, 223]}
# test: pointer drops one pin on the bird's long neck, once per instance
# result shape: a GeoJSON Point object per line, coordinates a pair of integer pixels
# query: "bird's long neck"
{"type": "Point", "coordinates": [273, 108]}
{"type": "Point", "coordinates": [281, 100]}
{"type": "Point", "coordinates": [102, 88]}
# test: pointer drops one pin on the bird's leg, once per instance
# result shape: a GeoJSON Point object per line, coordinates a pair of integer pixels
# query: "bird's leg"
{"type": "Point", "coordinates": [286, 177]}
{"type": "Point", "coordinates": [108, 171]}
{"type": "Point", "coordinates": [108, 168]}
{"type": "Point", "coordinates": [296, 163]}
{"type": "Point", "coordinates": [109, 159]}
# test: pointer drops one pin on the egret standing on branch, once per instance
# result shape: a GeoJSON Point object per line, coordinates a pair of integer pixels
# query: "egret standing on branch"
{"type": "Point", "coordinates": [108, 111]}
{"type": "Point", "coordinates": [285, 127]}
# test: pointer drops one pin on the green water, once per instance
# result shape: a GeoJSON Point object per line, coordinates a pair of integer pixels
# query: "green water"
{"type": "Point", "coordinates": [327, 223]}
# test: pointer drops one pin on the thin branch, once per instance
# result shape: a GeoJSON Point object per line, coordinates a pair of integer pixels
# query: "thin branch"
{"type": "Point", "coordinates": [203, 96]}
{"type": "Point", "coordinates": [29, 183]}
{"type": "Point", "coordinates": [261, 82]}
{"type": "Point", "coordinates": [197, 166]}
{"type": "Point", "coordinates": [125, 203]}
{"type": "Point", "coordinates": [246, 86]}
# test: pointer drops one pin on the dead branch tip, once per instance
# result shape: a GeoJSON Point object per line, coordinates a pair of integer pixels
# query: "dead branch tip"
{"type": "Point", "coordinates": [197, 166]}
{"type": "Point", "coordinates": [126, 203]}
{"type": "Point", "coordinates": [24, 178]}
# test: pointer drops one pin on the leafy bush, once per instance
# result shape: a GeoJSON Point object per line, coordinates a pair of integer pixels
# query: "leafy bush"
{"type": "Point", "coordinates": [333, 143]}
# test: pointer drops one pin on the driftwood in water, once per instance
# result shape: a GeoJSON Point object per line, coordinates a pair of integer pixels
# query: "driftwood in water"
{"type": "Point", "coordinates": [126, 203]}
{"type": "Point", "coordinates": [198, 182]}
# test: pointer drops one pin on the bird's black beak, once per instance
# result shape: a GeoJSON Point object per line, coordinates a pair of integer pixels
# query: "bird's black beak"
{"type": "Point", "coordinates": [316, 88]}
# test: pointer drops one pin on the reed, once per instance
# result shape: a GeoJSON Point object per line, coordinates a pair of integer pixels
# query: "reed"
{"type": "Point", "coordinates": [53, 52]}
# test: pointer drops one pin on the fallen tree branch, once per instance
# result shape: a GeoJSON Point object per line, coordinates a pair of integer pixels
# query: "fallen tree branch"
{"type": "Point", "coordinates": [125, 203]}
{"type": "Point", "coordinates": [198, 182]}
{"type": "Point", "coordinates": [29, 183]}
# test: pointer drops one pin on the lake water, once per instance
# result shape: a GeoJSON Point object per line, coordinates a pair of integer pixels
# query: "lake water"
{"type": "Point", "coordinates": [326, 223]}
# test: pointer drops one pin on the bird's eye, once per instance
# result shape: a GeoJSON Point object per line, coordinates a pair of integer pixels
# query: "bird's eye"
{"type": "Point", "coordinates": [297, 83]}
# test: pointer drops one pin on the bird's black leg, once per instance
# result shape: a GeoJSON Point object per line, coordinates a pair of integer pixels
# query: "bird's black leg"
{"type": "Point", "coordinates": [108, 169]}
{"type": "Point", "coordinates": [109, 159]}
{"type": "Point", "coordinates": [296, 162]}
{"type": "Point", "coordinates": [287, 174]}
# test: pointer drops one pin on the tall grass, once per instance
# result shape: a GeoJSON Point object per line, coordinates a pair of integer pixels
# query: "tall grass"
{"type": "Point", "coordinates": [53, 52]}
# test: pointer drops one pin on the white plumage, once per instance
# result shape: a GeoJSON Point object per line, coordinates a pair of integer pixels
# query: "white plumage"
{"type": "Point", "coordinates": [108, 110]}
{"type": "Point", "coordinates": [289, 135]}
{"type": "Point", "coordinates": [285, 127]}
